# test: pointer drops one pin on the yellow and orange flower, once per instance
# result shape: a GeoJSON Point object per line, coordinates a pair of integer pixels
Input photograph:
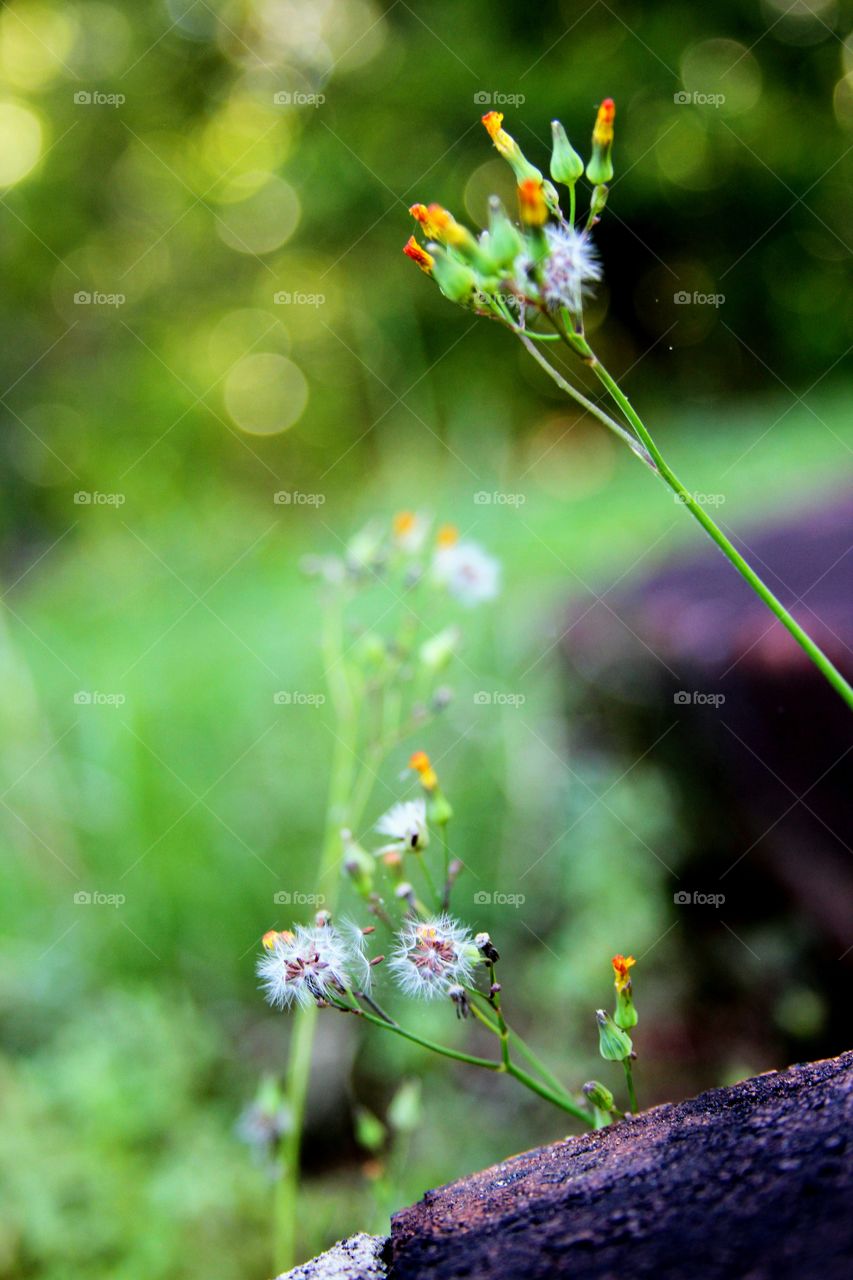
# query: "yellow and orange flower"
{"type": "Point", "coordinates": [447, 536]}
{"type": "Point", "coordinates": [602, 134]}
{"type": "Point", "coordinates": [419, 255]}
{"type": "Point", "coordinates": [532, 206]}
{"type": "Point", "coordinates": [420, 762]}
{"type": "Point", "coordinates": [272, 936]}
{"type": "Point", "coordinates": [493, 121]}
{"type": "Point", "coordinates": [621, 965]}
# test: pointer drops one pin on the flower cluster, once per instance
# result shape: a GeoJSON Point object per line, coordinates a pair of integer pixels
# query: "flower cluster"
{"type": "Point", "coordinates": [442, 558]}
{"type": "Point", "coordinates": [544, 263]}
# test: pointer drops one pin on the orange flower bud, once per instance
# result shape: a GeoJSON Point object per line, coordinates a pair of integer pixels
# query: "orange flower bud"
{"type": "Point", "coordinates": [447, 536]}
{"type": "Point", "coordinates": [419, 255]}
{"type": "Point", "coordinates": [493, 121]}
{"type": "Point", "coordinates": [269, 939]}
{"type": "Point", "coordinates": [403, 523]}
{"type": "Point", "coordinates": [602, 134]}
{"type": "Point", "coordinates": [621, 965]}
{"type": "Point", "coordinates": [420, 762]}
{"type": "Point", "coordinates": [531, 203]}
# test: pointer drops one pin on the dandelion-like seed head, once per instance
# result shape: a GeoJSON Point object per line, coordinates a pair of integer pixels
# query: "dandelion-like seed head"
{"type": "Point", "coordinates": [432, 957]}
{"type": "Point", "coordinates": [571, 268]}
{"type": "Point", "coordinates": [406, 824]}
{"type": "Point", "coordinates": [304, 965]}
{"type": "Point", "coordinates": [470, 574]}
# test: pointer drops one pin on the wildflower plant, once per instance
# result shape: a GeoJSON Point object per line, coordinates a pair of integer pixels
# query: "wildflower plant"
{"type": "Point", "coordinates": [403, 935]}
{"type": "Point", "coordinates": [533, 274]}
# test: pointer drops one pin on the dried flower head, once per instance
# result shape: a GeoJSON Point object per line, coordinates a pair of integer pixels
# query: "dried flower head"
{"type": "Point", "coordinates": [432, 956]}
{"type": "Point", "coordinates": [304, 965]}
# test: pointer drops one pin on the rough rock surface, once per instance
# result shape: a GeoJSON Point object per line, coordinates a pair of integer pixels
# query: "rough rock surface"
{"type": "Point", "coordinates": [752, 1181]}
{"type": "Point", "coordinates": [356, 1258]}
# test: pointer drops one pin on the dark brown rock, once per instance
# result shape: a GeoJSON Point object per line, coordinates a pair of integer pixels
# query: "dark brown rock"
{"type": "Point", "coordinates": [751, 1181]}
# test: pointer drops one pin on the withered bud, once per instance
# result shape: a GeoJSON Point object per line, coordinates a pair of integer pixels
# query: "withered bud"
{"type": "Point", "coordinates": [486, 948]}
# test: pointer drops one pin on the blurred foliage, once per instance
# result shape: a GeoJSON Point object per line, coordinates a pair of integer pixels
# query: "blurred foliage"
{"type": "Point", "coordinates": [132, 1036]}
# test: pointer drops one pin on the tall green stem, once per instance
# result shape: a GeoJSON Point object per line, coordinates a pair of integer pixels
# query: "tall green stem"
{"type": "Point", "coordinates": [301, 1048]}
{"type": "Point", "coordinates": [818, 657]}
{"type": "Point", "coordinates": [629, 1080]}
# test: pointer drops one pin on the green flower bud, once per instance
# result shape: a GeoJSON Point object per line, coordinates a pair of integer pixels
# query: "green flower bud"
{"type": "Point", "coordinates": [598, 200]}
{"type": "Point", "coordinates": [358, 864]}
{"type": "Point", "coordinates": [625, 1015]}
{"type": "Point", "coordinates": [566, 164]}
{"type": "Point", "coordinates": [456, 281]}
{"type": "Point", "coordinates": [505, 243]}
{"type": "Point", "coordinates": [614, 1044]}
{"type": "Point", "coordinates": [436, 652]}
{"type": "Point", "coordinates": [599, 1095]}
{"type": "Point", "coordinates": [439, 809]}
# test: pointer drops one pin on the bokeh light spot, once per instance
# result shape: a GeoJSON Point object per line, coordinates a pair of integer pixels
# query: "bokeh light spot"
{"type": "Point", "coordinates": [265, 393]}
{"type": "Point", "coordinates": [20, 142]}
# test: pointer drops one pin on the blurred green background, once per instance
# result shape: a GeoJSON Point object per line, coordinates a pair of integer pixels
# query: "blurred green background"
{"type": "Point", "coordinates": [205, 305]}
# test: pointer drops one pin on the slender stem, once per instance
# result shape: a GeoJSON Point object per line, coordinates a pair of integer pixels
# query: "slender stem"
{"type": "Point", "coordinates": [572, 201]}
{"type": "Point", "coordinates": [611, 424]}
{"type": "Point", "coordinates": [629, 1080]}
{"type": "Point", "coordinates": [559, 1100]}
{"type": "Point", "coordinates": [535, 1062]}
{"type": "Point", "coordinates": [818, 657]}
{"type": "Point", "coordinates": [446, 1052]}
{"type": "Point", "coordinates": [487, 1022]}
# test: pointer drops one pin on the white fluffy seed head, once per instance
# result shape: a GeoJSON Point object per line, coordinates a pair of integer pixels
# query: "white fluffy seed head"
{"type": "Point", "coordinates": [571, 268]}
{"type": "Point", "coordinates": [470, 574]}
{"type": "Point", "coordinates": [406, 824]}
{"type": "Point", "coordinates": [305, 965]}
{"type": "Point", "coordinates": [431, 957]}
